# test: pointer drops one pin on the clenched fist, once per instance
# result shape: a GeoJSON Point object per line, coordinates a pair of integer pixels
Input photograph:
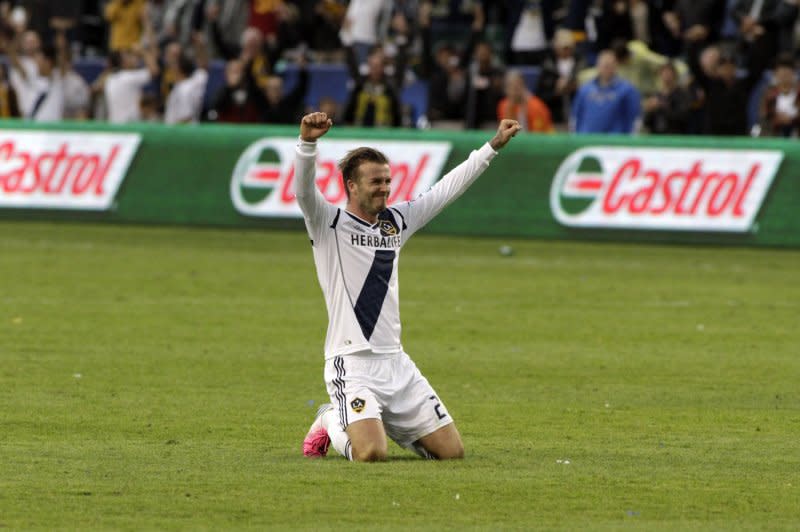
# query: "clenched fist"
{"type": "Point", "coordinates": [314, 125]}
{"type": "Point", "coordinates": [507, 129]}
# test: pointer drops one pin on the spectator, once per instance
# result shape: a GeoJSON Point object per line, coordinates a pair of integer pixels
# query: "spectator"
{"type": "Point", "coordinates": [185, 102]}
{"type": "Point", "coordinates": [696, 23]}
{"type": "Point", "coordinates": [615, 23]}
{"type": "Point", "coordinates": [759, 30]}
{"type": "Point", "coordinates": [9, 108]}
{"type": "Point", "coordinates": [258, 56]}
{"type": "Point", "coordinates": [485, 88]}
{"type": "Point", "coordinates": [637, 64]}
{"type": "Point", "coordinates": [662, 40]}
{"type": "Point", "coordinates": [22, 52]}
{"type": "Point", "coordinates": [277, 20]}
{"type": "Point", "coordinates": [374, 101]}
{"type": "Point", "coordinates": [182, 20]}
{"type": "Point", "coordinates": [230, 18]}
{"type": "Point", "coordinates": [173, 52]}
{"type": "Point", "coordinates": [520, 105]}
{"type": "Point", "coordinates": [558, 78]}
{"type": "Point", "coordinates": [366, 23]}
{"type": "Point", "coordinates": [46, 87]}
{"type": "Point", "coordinates": [786, 17]}
{"type": "Point", "coordinates": [326, 22]}
{"type": "Point", "coordinates": [124, 85]}
{"type": "Point", "coordinates": [726, 95]}
{"type": "Point", "coordinates": [607, 104]}
{"type": "Point", "coordinates": [77, 95]}
{"type": "Point", "coordinates": [532, 23]}
{"type": "Point", "coordinates": [447, 87]}
{"type": "Point", "coordinates": [446, 72]}
{"type": "Point", "coordinates": [403, 22]}
{"type": "Point", "coordinates": [484, 77]}
{"type": "Point", "coordinates": [330, 107]}
{"type": "Point", "coordinates": [125, 18]}
{"type": "Point", "coordinates": [155, 12]}
{"type": "Point", "coordinates": [238, 100]}
{"type": "Point", "coordinates": [780, 107]}
{"type": "Point", "coordinates": [270, 18]}
{"type": "Point", "coordinates": [288, 108]}
{"type": "Point", "coordinates": [708, 60]}
{"type": "Point", "coordinates": [667, 111]}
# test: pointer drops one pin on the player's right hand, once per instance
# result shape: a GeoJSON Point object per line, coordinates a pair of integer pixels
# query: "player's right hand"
{"type": "Point", "coordinates": [314, 125]}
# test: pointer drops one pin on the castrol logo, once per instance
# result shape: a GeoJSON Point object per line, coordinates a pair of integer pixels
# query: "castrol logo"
{"type": "Point", "coordinates": [262, 183]}
{"type": "Point", "coordinates": [671, 189]}
{"type": "Point", "coordinates": [63, 170]}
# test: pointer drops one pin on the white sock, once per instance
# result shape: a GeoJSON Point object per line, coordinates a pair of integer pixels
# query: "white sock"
{"type": "Point", "coordinates": [339, 438]}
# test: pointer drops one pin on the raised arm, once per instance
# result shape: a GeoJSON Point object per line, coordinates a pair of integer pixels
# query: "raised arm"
{"type": "Point", "coordinates": [418, 212]}
{"type": "Point", "coordinates": [309, 198]}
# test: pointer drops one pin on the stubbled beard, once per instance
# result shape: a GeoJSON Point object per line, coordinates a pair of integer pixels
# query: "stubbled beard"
{"type": "Point", "coordinates": [372, 207]}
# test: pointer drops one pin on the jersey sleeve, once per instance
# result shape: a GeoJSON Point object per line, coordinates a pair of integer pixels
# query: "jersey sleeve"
{"type": "Point", "coordinates": [418, 212]}
{"type": "Point", "coordinates": [317, 212]}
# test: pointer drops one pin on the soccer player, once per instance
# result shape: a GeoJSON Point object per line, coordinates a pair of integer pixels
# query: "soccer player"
{"type": "Point", "coordinates": [376, 390]}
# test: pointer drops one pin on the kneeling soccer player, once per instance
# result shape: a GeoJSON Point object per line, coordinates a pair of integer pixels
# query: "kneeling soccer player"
{"type": "Point", "coordinates": [375, 388]}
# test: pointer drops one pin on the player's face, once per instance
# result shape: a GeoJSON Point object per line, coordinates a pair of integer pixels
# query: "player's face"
{"type": "Point", "coordinates": [371, 190]}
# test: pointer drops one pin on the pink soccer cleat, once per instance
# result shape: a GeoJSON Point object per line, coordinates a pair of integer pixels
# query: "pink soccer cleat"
{"type": "Point", "coordinates": [317, 440]}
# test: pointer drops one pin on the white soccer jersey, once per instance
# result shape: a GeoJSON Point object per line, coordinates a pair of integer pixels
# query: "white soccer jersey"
{"type": "Point", "coordinates": [357, 261]}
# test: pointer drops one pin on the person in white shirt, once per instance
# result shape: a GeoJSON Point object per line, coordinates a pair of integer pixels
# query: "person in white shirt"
{"type": "Point", "coordinates": [44, 92]}
{"type": "Point", "coordinates": [77, 94]}
{"type": "Point", "coordinates": [366, 23]}
{"type": "Point", "coordinates": [123, 87]}
{"type": "Point", "coordinates": [185, 101]}
{"type": "Point", "coordinates": [376, 390]}
{"type": "Point", "coordinates": [22, 55]}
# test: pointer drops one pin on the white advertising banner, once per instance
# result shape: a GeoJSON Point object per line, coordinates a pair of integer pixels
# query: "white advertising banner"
{"type": "Point", "coordinates": [671, 189]}
{"type": "Point", "coordinates": [63, 170]}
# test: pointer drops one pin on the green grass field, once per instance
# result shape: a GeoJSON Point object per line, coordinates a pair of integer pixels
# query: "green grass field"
{"type": "Point", "coordinates": [163, 378]}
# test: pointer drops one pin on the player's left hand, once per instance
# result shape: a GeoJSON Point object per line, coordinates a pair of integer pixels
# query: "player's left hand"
{"type": "Point", "coordinates": [507, 129]}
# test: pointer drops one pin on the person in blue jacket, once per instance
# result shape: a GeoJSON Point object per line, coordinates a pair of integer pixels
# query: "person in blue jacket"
{"type": "Point", "coordinates": [608, 103]}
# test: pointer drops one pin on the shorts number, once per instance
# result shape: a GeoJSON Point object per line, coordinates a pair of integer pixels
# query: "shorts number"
{"type": "Point", "coordinates": [437, 406]}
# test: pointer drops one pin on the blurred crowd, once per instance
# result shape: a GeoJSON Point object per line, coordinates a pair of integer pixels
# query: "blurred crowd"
{"type": "Point", "coordinates": [720, 67]}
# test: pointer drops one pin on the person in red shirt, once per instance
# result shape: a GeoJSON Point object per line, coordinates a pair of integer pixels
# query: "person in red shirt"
{"type": "Point", "coordinates": [520, 105]}
{"type": "Point", "coordinates": [264, 15]}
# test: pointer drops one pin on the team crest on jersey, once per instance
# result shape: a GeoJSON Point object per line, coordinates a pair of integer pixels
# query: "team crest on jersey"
{"type": "Point", "coordinates": [357, 405]}
{"type": "Point", "coordinates": [388, 228]}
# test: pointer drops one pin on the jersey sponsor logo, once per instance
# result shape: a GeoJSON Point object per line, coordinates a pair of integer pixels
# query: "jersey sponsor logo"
{"type": "Point", "coordinates": [670, 189]}
{"type": "Point", "coordinates": [376, 241]}
{"type": "Point", "coordinates": [262, 183]}
{"type": "Point", "coordinates": [358, 405]}
{"type": "Point", "coordinates": [63, 170]}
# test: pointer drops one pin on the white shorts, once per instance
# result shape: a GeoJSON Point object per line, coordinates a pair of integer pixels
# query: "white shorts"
{"type": "Point", "coordinates": [385, 387]}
